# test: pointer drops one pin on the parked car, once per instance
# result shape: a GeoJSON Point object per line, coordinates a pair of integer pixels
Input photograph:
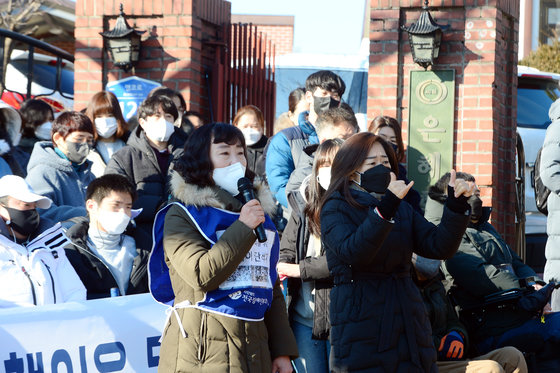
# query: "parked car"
{"type": "Point", "coordinates": [43, 83]}
{"type": "Point", "coordinates": [536, 91]}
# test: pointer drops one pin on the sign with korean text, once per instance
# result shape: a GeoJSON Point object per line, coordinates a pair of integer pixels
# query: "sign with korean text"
{"type": "Point", "coordinates": [119, 334]}
{"type": "Point", "coordinates": [131, 92]}
{"type": "Point", "coordinates": [430, 127]}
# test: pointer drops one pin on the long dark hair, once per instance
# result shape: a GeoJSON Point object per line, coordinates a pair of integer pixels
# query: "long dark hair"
{"type": "Point", "coordinates": [349, 159]}
{"type": "Point", "coordinates": [383, 121]}
{"type": "Point", "coordinates": [323, 158]}
{"type": "Point", "coordinates": [195, 165]}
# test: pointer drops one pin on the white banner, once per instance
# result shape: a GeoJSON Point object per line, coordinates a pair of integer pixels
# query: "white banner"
{"type": "Point", "coordinates": [106, 335]}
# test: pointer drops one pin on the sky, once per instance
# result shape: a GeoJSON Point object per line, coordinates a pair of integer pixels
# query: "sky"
{"type": "Point", "coordinates": [320, 26]}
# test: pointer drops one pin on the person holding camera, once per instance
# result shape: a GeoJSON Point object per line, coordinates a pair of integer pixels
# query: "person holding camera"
{"type": "Point", "coordinates": [228, 313]}
{"type": "Point", "coordinates": [483, 277]}
{"type": "Point", "coordinates": [378, 319]}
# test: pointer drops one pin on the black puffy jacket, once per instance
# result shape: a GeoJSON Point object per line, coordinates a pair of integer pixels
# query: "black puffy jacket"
{"type": "Point", "coordinates": [95, 275]}
{"type": "Point", "coordinates": [378, 319]}
{"type": "Point", "coordinates": [138, 162]}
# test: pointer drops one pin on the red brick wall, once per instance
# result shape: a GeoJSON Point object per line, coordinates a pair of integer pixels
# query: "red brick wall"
{"type": "Point", "coordinates": [173, 51]}
{"type": "Point", "coordinates": [481, 46]}
{"type": "Point", "coordinates": [68, 46]}
{"type": "Point", "coordinates": [282, 37]}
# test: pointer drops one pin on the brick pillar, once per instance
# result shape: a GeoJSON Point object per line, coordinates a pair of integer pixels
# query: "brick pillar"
{"type": "Point", "coordinates": [481, 46]}
{"type": "Point", "coordinates": [177, 48]}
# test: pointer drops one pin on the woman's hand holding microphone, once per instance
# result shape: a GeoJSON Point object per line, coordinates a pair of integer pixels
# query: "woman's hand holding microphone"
{"type": "Point", "coordinates": [252, 214]}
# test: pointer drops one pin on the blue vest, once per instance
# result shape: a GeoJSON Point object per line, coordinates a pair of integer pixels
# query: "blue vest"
{"type": "Point", "coordinates": [247, 293]}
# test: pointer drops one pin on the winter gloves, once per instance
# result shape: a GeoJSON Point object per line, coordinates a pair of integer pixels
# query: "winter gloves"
{"type": "Point", "coordinates": [451, 347]}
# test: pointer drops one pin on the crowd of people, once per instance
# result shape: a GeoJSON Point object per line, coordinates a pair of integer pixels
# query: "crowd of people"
{"type": "Point", "coordinates": [306, 250]}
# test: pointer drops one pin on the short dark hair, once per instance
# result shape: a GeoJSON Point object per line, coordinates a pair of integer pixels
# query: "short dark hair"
{"type": "Point", "coordinates": [101, 187]}
{"type": "Point", "coordinates": [150, 106]}
{"type": "Point", "coordinates": [72, 121]}
{"type": "Point", "coordinates": [194, 113]}
{"type": "Point", "coordinates": [195, 165]}
{"type": "Point", "coordinates": [34, 112]}
{"type": "Point", "coordinates": [169, 93]}
{"type": "Point", "coordinates": [326, 80]}
{"type": "Point", "coordinates": [334, 117]}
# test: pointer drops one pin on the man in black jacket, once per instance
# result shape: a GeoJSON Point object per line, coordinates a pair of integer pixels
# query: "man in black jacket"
{"type": "Point", "coordinates": [106, 260]}
{"type": "Point", "coordinates": [146, 159]}
{"type": "Point", "coordinates": [450, 335]}
{"type": "Point", "coordinates": [485, 266]}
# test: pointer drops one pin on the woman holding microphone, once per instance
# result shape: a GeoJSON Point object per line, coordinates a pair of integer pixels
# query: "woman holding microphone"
{"type": "Point", "coordinates": [378, 320]}
{"type": "Point", "coordinates": [228, 313]}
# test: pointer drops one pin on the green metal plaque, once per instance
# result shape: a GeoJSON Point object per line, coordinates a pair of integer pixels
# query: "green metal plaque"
{"type": "Point", "coordinates": [430, 127]}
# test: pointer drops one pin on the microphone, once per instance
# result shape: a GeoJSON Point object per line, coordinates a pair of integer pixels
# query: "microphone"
{"type": "Point", "coordinates": [247, 192]}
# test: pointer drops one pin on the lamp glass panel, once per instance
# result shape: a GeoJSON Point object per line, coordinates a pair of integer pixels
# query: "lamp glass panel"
{"type": "Point", "coordinates": [120, 50]}
{"type": "Point", "coordinates": [423, 46]}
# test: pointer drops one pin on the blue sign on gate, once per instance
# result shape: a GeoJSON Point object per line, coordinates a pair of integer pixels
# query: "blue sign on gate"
{"type": "Point", "coordinates": [131, 92]}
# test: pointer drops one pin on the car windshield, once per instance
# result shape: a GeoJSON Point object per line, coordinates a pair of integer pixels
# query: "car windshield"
{"type": "Point", "coordinates": [534, 97]}
{"type": "Point", "coordinates": [44, 74]}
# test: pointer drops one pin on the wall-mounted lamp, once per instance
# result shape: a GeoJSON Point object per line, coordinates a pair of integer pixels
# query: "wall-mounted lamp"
{"type": "Point", "coordinates": [123, 43]}
{"type": "Point", "coordinates": [425, 38]}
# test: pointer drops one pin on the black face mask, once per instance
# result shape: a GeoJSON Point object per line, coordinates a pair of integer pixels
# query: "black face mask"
{"type": "Point", "coordinates": [24, 222]}
{"type": "Point", "coordinates": [376, 179]}
{"type": "Point", "coordinates": [77, 152]}
{"type": "Point", "coordinates": [395, 147]}
{"type": "Point", "coordinates": [322, 104]}
{"type": "Point", "coordinates": [476, 207]}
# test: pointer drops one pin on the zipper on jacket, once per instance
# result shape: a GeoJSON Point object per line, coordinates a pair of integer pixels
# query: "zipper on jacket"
{"type": "Point", "coordinates": [52, 280]}
{"type": "Point", "coordinates": [31, 283]}
{"type": "Point", "coordinates": [86, 249]}
{"type": "Point", "coordinates": [202, 338]}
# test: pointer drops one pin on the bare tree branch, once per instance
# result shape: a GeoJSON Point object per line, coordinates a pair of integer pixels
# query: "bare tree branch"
{"type": "Point", "coordinates": [27, 12]}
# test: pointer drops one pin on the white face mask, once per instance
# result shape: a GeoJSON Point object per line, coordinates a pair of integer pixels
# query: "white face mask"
{"type": "Point", "coordinates": [324, 176]}
{"type": "Point", "coordinates": [114, 222]}
{"type": "Point", "coordinates": [227, 177]}
{"type": "Point", "coordinates": [158, 129]}
{"type": "Point", "coordinates": [106, 126]}
{"type": "Point", "coordinates": [43, 132]}
{"type": "Point", "coordinates": [252, 135]}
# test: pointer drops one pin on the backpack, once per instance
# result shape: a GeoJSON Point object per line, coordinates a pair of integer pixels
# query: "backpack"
{"type": "Point", "coordinates": [541, 191]}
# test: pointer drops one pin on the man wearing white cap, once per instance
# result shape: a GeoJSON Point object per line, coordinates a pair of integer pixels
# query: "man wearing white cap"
{"type": "Point", "coordinates": [107, 260]}
{"type": "Point", "coordinates": [34, 269]}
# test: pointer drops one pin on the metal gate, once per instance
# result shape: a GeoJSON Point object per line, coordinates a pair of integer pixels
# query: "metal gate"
{"type": "Point", "coordinates": [244, 75]}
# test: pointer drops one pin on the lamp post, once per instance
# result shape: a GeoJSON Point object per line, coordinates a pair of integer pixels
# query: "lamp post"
{"type": "Point", "coordinates": [123, 43]}
{"type": "Point", "coordinates": [425, 38]}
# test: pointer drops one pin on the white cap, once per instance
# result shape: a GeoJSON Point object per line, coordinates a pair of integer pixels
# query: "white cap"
{"type": "Point", "coordinates": [13, 120]}
{"type": "Point", "coordinates": [16, 187]}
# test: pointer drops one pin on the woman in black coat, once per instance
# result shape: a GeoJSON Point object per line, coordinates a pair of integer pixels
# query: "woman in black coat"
{"type": "Point", "coordinates": [378, 320]}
